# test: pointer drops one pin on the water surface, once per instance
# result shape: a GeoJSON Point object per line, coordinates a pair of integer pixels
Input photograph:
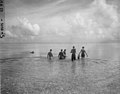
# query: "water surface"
{"type": "Point", "coordinates": [26, 73]}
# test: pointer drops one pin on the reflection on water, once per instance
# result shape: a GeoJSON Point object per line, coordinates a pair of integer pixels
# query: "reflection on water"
{"type": "Point", "coordinates": [83, 62]}
{"type": "Point", "coordinates": [73, 67]}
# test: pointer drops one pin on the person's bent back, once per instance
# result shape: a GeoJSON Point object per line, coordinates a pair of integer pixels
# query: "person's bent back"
{"type": "Point", "coordinates": [64, 53]}
{"type": "Point", "coordinates": [61, 55]}
{"type": "Point", "coordinates": [50, 55]}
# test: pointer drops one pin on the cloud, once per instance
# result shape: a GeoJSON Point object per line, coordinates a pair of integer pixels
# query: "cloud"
{"type": "Point", "coordinates": [98, 22]}
{"type": "Point", "coordinates": [24, 29]}
{"type": "Point", "coordinates": [8, 33]}
{"type": "Point", "coordinates": [41, 7]}
{"type": "Point", "coordinates": [34, 28]}
{"type": "Point", "coordinates": [31, 3]}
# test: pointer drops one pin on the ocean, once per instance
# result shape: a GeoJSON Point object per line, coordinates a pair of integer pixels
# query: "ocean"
{"type": "Point", "coordinates": [108, 51]}
{"type": "Point", "coordinates": [26, 73]}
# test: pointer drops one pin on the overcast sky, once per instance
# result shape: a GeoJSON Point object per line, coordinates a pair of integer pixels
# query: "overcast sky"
{"type": "Point", "coordinates": [42, 8]}
{"type": "Point", "coordinates": [42, 20]}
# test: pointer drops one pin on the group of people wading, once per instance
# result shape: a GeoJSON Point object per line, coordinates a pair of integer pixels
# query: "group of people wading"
{"type": "Point", "coordinates": [62, 54]}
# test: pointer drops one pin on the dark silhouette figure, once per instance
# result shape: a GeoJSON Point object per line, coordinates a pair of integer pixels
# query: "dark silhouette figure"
{"type": "Point", "coordinates": [61, 55]}
{"type": "Point", "coordinates": [50, 55]}
{"type": "Point", "coordinates": [2, 35]}
{"type": "Point", "coordinates": [73, 56]}
{"type": "Point", "coordinates": [82, 53]}
{"type": "Point", "coordinates": [64, 53]}
{"type": "Point", "coordinates": [32, 52]}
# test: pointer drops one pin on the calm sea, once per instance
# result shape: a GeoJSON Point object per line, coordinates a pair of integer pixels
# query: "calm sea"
{"type": "Point", "coordinates": [105, 51]}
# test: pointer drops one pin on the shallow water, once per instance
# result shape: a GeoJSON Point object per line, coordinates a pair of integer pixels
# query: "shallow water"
{"type": "Point", "coordinates": [109, 51]}
{"type": "Point", "coordinates": [41, 76]}
{"type": "Point", "coordinates": [25, 73]}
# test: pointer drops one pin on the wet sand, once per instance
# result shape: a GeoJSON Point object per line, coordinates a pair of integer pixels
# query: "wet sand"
{"type": "Point", "coordinates": [37, 75]}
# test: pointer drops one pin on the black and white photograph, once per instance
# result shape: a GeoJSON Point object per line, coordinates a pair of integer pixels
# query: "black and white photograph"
{"type": "Point", "coordinates": [60, 46]}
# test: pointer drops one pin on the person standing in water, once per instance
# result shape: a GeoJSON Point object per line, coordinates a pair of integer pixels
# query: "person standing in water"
{"type": "Point", "coordinates": [73, 56]}
{"type": "Point", "coordinates": [50, 55]}
{"type": "Point", "coordinates": [61, 55]}
{"type": "Point", "coordinates": [64, 53]}
{"type": "Point", "coordinates": [82, 53]}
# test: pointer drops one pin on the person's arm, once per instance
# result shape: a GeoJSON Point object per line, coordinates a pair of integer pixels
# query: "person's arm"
{"type": "Point", "coordinates": [52, 54]}
{"type": "Point", "coordinates": [80, 51]}
{"type": "Point", "coordinates": [64, 54]}
{"type": "Point", "coordinates": [47, 56]}
{"type": "Point", "coordinates": [86, 54]}
{"type": "Point", "coordinates": [58, 55]}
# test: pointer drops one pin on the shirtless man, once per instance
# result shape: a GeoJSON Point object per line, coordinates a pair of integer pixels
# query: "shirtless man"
{"type": "Point", "coordinates": [61, 55]}
{"type": "Point", "coordinates": [73, 51]}
{"type": "Point", "coordinates": [50, 55]}
{"type": "Point", "coordinates": [64, 53]}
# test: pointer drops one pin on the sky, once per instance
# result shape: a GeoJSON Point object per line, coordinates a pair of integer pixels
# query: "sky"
{"type": "Point", "coordinates": [62, 20]}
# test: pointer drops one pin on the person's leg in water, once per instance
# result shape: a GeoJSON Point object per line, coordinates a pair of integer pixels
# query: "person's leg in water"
{"type": "Point", "coordinates": [72, 57]}
{"type": "Point", "coordinates": [78, 56]}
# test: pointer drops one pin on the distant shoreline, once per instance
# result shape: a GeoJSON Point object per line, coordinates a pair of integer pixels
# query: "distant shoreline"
{"type": "Point", "coordinates": [54, 42]}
